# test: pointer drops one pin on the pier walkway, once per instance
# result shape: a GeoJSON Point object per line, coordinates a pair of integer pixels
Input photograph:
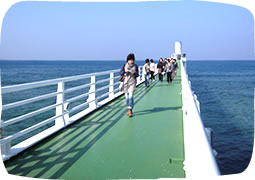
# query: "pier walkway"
{"type": "Point", "coordinates": [107, 144]}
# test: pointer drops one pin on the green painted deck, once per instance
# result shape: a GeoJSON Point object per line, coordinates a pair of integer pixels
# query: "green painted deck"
{"type": "Point", "coordinates": [107, 144]}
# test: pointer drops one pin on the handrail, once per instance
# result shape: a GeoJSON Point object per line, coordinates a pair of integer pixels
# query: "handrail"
{"type": "Point", "coordinates": [199, 158]}
{"type": "Point", "coordinates": [19, 87]}
{"type": "Point", "coordinates": [29, 129]}
{"type": "Point", "coordinates": [28, 115]}
{"type": "Point", "coordinates": [62, 114]}
{"type": "Point", "coordinates": [30, 100]}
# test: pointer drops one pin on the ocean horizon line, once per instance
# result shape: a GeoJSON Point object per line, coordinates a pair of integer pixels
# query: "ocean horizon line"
{"type": "Point", "coordinates": [121, 60]}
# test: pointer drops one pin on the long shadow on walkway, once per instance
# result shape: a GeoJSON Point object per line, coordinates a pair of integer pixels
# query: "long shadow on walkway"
{"type": "Point", "coordinates": [55, 155]}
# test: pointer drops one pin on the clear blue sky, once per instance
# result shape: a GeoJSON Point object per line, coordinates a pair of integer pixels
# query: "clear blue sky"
{"type": "Point", "coordinates": [109, 31]}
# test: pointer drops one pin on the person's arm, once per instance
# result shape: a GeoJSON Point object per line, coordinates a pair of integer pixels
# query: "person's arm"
{"type": "Point", "coordinates": [136, 71]}
{"type": "Point", "coordinates": [122, 71]}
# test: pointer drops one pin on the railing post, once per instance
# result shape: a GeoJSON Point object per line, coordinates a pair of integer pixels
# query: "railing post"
{"type": "Point", "coordinates": [92, 95]}
{"type": "Point", "coordinates": [1, 108]}
{"type": "Point", "coordinates": [197, 102]}
{"type": "Point", "coordinates": [138, 79]}
{"type": "Point", "coordinates": [184, 60]}
{"type": "Point", "coordinates": [4, 148]}
{"type": "Point", "coordinates": [60, 122]}
{"type": "Point", "coordinates": [142, 78]}
{"type": "Point", "coordinates": [111, 85]}
{"type": "Point", "coordinates": [66, 116]}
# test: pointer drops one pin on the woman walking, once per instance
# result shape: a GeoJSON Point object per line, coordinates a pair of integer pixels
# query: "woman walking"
{"type": "Point", "coordinates": [130, 73]}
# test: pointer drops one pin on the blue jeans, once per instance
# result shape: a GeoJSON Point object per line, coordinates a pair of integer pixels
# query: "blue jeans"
{"type": "Point", "coordinates": [129, 100]}
{"type": "Point", "coordinates": [147, 77]}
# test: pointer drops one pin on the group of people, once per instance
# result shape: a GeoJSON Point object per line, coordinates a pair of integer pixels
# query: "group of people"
{"type": "Point", "coordinates": [130, 72]}
{"type": "Point", "coordinates": [169, 67]}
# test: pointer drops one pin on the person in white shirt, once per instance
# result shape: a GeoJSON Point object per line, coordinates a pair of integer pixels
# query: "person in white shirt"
{"type": "Point", "coordinates": [146, 72]}
{"type": "Point", "coordinates": [152, 70]}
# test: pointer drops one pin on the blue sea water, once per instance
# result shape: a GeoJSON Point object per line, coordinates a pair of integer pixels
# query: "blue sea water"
{"type": "Point", "coordinates": [225, 90]}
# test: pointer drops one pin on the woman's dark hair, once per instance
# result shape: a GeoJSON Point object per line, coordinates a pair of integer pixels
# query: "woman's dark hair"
{"type": "Point", "coordinates": [151, 60]}
{"type": "Point", "coordinates": [147, 60]}
{"type": "Point", "coordinates": [131, 56]}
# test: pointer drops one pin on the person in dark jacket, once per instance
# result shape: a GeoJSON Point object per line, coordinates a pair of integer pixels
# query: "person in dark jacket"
{"type": "Point", "coordinates": [165, 64]}
{"type": "Point", "coordinates": [130, 72]}
{"type": "Point", "coordinates": [160, 67]}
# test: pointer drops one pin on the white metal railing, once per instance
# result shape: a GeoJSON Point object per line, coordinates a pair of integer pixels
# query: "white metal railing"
{"type": "Point", "coordinates": [62, 111]}
{"type": "Point", "coordinates": [199, 158]}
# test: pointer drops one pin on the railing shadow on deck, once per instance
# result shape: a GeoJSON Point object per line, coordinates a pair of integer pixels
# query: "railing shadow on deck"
{"type": "Point", "coordinates": [61, 158]}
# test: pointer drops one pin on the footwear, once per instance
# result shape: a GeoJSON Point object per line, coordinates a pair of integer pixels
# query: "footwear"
{"type": "Point", "coordinates": [130, 113]}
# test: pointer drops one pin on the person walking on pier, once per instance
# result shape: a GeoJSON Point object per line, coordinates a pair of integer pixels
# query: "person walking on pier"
{"type": "Point", "coordinates": [169, 71]}
{"type": "Point", "coordinates": [165, 64]}
{"type": "Point", "coordinates": [146, 72]}
{"type": "Point", "coordinates": [130, 73]}
{"type": "Point", "coordinates": [175, 67]}
{"type": "Point", "coordinates": [152, 70]}
{"type": "Point", "coordinates": [160, 67]}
